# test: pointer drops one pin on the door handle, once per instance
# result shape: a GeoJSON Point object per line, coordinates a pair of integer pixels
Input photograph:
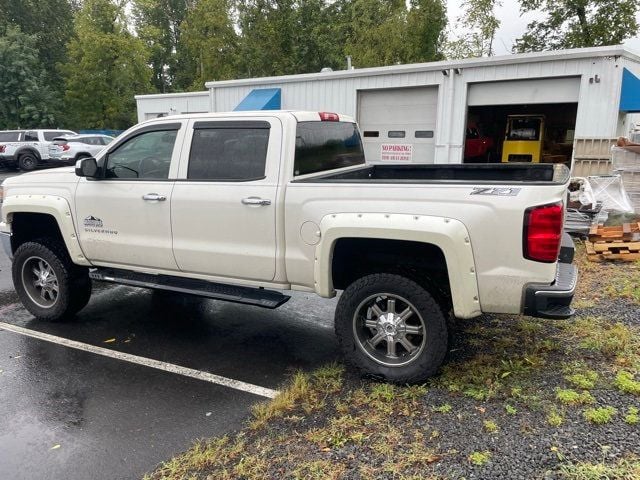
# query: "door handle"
{"type": "Point", "coordinates": [154, 196]}
{"type": "Point", "coordinates": [255, 201]}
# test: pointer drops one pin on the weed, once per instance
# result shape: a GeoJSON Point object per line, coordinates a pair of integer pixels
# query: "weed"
{"type": "Point", "coordinates": [585, 380]}
{"type": "Point", "coordinates": [480, 458]}
{"type": "Point", "coordinates": [624, 469]}
{"type": "Point", "coordinates": [625, 383]}
{"type": "Point", "coordinates": [598, 334]}
{"type": "Point", "coordinates": [510, 409]}
{"type": "Point", "coordinates": [445, 408]}
{"type": "Point", "coordinates": [319, 470]}
{"type": "Point", "coordinates": [632, 417]}
{"type": "Point", "coordinates": [490, 426]}
{"type": "Point", "coordinates": [600, 415]}
{"type": "Point", "coordinates": [300, 392]}
{"type": "Point", "coordinates": [571, 397]}
{"type": "Point", "coordinates": [554, 418]}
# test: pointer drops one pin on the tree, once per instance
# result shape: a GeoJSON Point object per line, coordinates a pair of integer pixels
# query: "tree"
{"type": "Point", "coordinates": [301, 36]}
{"type": "Point", "coordinates": [376, 32]}
{"type": "Point", "coordinates": [159, 25]}
{"type": "Point", "coordinates": [27, 101]}
{"type": "Point", "coordinates": [578, 23]}
{"type": "Point", "coordinates": [107, 66]}
{"type": "Point", "coordinates": [210, 40]}
{"type": "Point", "coordinates": [50, 22]}
{"type": "Point", "coordinates": [426, 24]}
{"type": "Point", "coordinates": [479, 24]}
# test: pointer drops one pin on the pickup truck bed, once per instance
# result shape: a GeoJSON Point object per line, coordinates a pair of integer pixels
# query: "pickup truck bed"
{"type": "Point", "coordinates": [484, 173]}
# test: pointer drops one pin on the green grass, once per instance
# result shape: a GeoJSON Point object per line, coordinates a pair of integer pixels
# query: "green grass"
{"type": "Point", "coordinates": [625, 469]}
{"type": "Point", "coordinates": [490, 426]}
{"type": "Point", "coordinates": [625, 383]}
{"type": "Point", "coordinates": [600, 415]}
{"type": "Point", "coordinates": [571, 397]}
{"type": "Point", "coordinates": [445, 408]}
{"type": "Point", "coordinates": [554, 418]}
{"type": "Point", "coordinates": [479, 458]}
{"type": "Point", "coordinates": [633, 416]}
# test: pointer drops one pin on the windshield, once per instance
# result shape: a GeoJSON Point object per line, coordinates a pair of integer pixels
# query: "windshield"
{"type": "Point", "coordinates": [324, 146]}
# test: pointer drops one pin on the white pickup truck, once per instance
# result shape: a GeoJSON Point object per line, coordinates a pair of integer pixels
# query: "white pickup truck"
{"type": "Point", "coordinates": [27, 149]}
{"type": "Point", "coordinates": [243, 206]}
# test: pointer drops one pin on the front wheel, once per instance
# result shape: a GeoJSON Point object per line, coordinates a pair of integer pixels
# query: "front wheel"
{"type": "Point", "coordinates": [49, 285]}
{"type": "Point", "coordinates": [391, 327]}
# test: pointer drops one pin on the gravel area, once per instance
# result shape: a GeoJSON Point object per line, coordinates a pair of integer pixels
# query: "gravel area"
{"type": "Point", "coordinates": [517, 398]}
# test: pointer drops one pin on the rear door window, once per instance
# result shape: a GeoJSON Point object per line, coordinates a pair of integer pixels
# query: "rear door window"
{"type": "Point", "coordinates": [31, 137]}
{"type": "Point", "coordinates": [324, 146]}
{"type": "Point", "coordinates": [9, 136]}
{"type": "Point", "coordinates": [228, 151]}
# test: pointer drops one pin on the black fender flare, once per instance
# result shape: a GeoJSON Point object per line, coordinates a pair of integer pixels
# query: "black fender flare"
{"type": "Point", "coordinates": [23, 150]}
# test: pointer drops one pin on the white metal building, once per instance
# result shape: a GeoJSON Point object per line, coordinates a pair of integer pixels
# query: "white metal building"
{"type": "Point", "coordinates": [431, 105]}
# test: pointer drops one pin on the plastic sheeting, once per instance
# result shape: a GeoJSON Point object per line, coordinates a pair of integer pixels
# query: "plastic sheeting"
{"type": "Point", "coordinates": [609, 190]}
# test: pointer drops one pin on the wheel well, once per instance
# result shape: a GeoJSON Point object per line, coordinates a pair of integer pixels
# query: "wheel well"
{"type": "Point", "coordinates": [24, 151]}
{"type": "Point", "coordinates": [27, 226]}
{"type": "Point", "coordinates": [424, 263]}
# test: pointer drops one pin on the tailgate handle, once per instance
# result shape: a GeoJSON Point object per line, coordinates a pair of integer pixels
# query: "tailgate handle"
{"type": "Point", "coordinates": [255, 201]}
{"type": "Point", "coordinates": [154, 196]}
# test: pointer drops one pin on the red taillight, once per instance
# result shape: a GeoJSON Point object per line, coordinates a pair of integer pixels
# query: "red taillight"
{"type": "Point", "coordinates": [543, 232]}
{"type": "Point", "coordinates": [329, 117]}
{"type": "Point", "coordinates": [65, 147]}
{"type": "Point", "coordinates": [2, 147]}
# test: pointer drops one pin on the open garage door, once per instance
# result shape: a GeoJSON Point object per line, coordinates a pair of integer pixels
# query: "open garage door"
{"type": "Point", "coordinates": [398, 124]}
{"type": "Point", "coordinates": [522, 120]}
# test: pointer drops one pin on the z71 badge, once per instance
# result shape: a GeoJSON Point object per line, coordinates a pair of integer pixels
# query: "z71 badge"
{"type": "Point", "coordinates": [497, 191]}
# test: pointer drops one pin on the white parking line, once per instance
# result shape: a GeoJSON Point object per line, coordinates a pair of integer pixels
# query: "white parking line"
{"type": "Point", "coordinates": [147, 362]}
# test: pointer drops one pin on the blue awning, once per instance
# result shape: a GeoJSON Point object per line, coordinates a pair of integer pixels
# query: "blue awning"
{"type": "Point", "coordinates": [261, 99]}
{"type": "Point", "coordinates": [630, 94]}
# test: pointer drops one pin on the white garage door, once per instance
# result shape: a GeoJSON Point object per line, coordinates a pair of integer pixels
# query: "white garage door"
{"type": "Point", "coordinates": [519, 92]}
{"type": "Point", "coordinates": [399, 124]}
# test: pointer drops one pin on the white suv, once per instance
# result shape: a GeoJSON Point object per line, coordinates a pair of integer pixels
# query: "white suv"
{"type": "Point", "coordinates": [70, 148]}
{"type": "Point", "coordinates": [26, 149]}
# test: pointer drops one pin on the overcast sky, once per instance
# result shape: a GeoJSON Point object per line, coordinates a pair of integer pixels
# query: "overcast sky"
{"type": "Point", "coordinates": [512, 25]}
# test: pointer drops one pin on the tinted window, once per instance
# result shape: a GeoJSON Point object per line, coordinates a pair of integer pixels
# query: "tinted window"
{"type": "Point", "coordinates": [105, 140]}
{"type": "Point", "coordinates": [9, 136]}
{"type": "Point", "coordinates": [147, 155]}
{"type": "Point", "coordinates": [228, 154]}
{"type": "Point", "coordinates": [48, 136]}
{"type": "Point", "coordinates": [327, 145]}
{"type": "Point", "coordinates": [31, 137]}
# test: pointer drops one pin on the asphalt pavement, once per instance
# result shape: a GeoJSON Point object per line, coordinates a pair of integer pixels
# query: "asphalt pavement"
{"type": "Point", "coordinates": [70, 412]}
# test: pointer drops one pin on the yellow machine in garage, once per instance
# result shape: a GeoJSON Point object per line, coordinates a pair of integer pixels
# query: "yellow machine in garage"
{"type": "Point", "coordinates": [523, 138]}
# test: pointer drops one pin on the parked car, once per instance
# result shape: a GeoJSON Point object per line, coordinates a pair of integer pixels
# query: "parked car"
{"type": "Point", "coordinates": [241, 206]}
{"type": "Point", "coordinates": [477, 147]}
{"type": "Point", "coordinates": [30, 149]}
{"type": "Point", "coordinates": [71, 148]}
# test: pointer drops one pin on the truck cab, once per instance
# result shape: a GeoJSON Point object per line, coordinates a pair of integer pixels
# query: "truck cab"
{"type": "Point", "coordinates": [246, 206]}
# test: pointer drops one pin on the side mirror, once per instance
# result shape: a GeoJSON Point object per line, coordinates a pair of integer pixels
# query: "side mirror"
{"type": "Point", "coordinates": [87, 167]}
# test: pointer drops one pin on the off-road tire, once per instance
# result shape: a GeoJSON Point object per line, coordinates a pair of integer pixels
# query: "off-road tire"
{"type": "Point", "coordinates": [74, 284]}
{"type": "Point", "coordinates": [27, 162]}
{"type": "Point", "coordinates": [427, 362]}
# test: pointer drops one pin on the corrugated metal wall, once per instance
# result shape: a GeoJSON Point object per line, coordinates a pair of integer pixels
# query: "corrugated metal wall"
{"type": "Point", "coordinates": [598, 113]}
{"type": "Point", "coordinates": [151, 106]}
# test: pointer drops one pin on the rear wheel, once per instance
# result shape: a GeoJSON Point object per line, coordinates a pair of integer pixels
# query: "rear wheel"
{"type": "Point", "coordinates": [27, 162]}
{"type": "Point", "coordinates": [391, 327]}
{"type": "Point", "coordinates": [49, 285]}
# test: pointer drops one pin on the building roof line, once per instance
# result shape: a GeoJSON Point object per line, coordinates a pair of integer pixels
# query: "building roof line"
{"type": "Point", "coordinates": [577, 53]}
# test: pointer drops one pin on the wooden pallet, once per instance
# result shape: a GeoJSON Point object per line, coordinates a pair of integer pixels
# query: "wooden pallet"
{"type": "Point", "coordinates": [624, 232]}
{"type": "Point", "coordinates": [620, 250]}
